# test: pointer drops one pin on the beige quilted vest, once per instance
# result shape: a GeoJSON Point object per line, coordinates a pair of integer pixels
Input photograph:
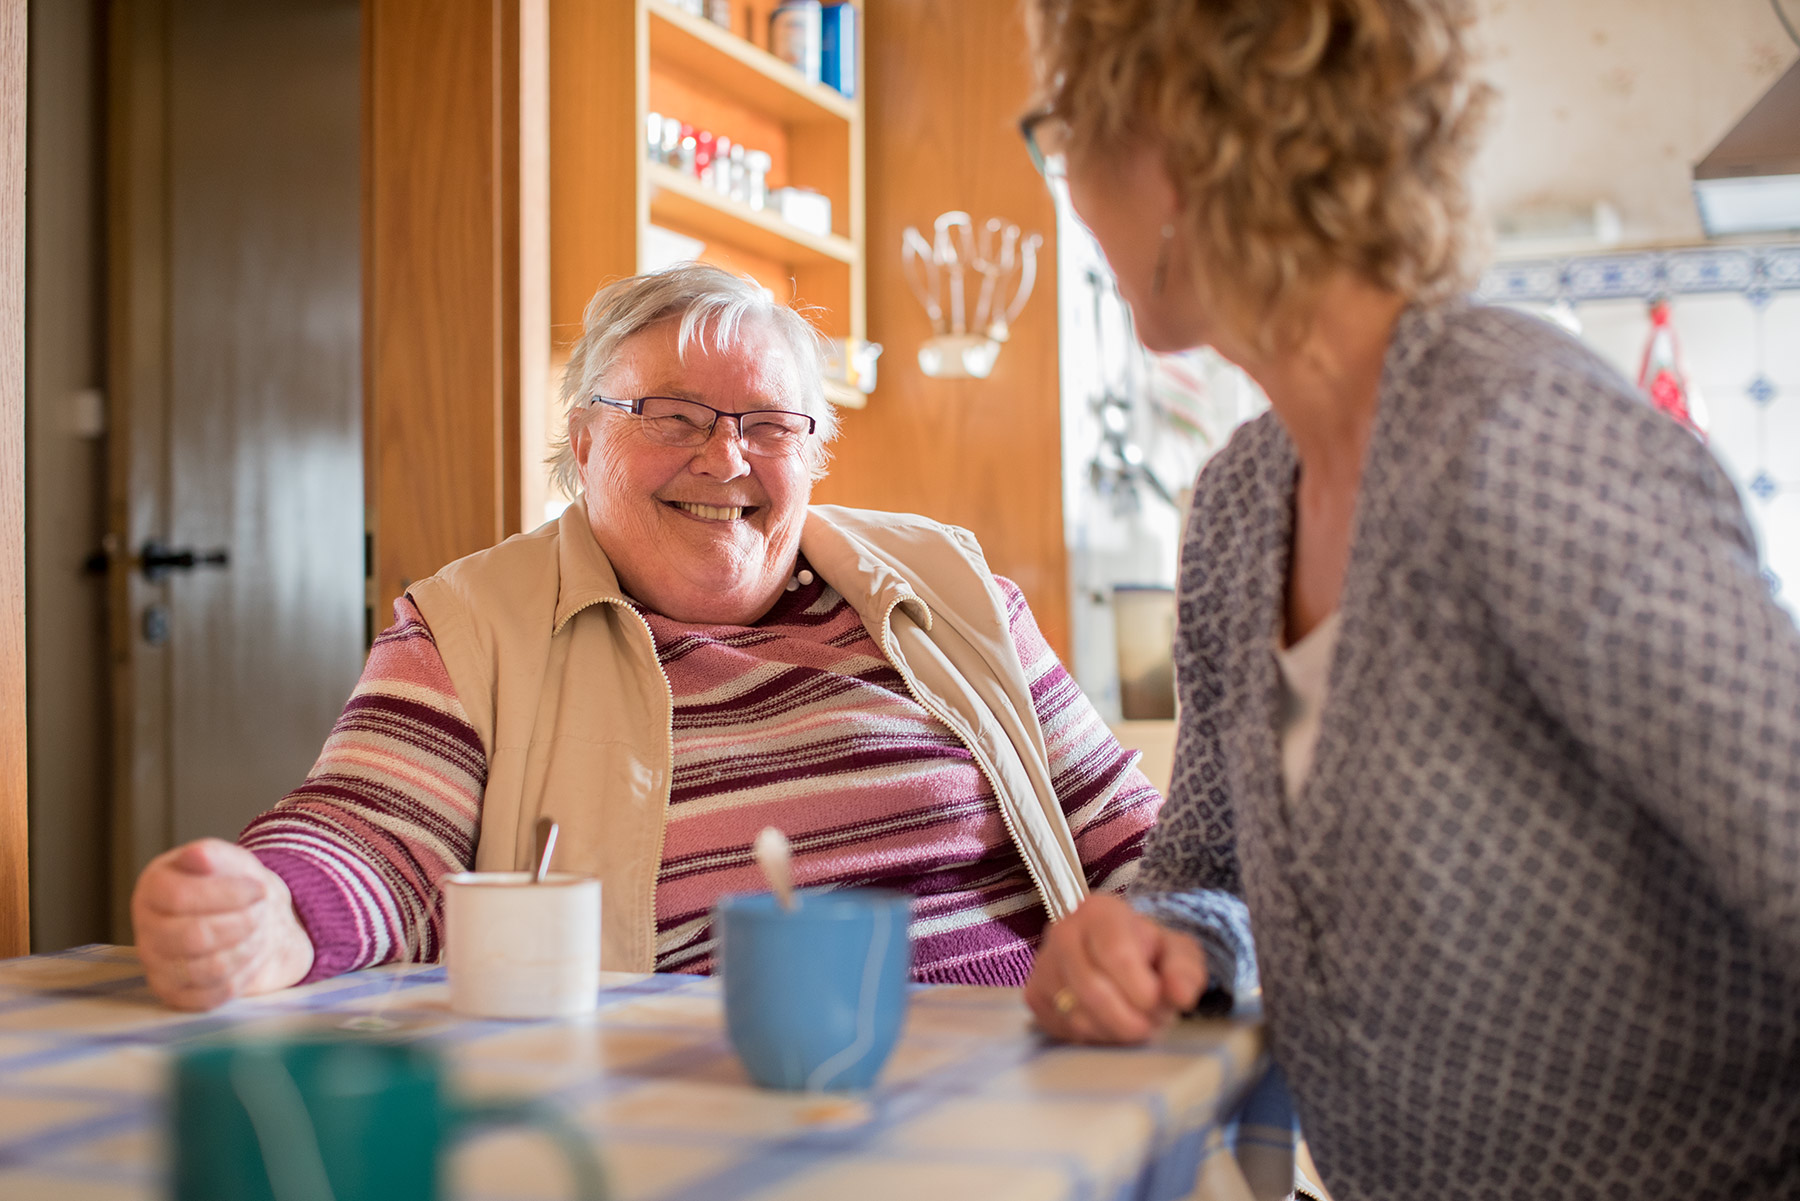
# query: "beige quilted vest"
{"type": "Point", "coordinates": [559, 677]}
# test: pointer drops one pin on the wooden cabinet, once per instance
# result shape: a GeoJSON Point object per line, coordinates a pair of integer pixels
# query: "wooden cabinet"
{"type": "Point", "coordinates": [612, 63]}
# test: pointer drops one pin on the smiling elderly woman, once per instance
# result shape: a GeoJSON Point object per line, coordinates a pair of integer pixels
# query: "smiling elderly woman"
{"type": "Point", "coordinates": [691, 653]}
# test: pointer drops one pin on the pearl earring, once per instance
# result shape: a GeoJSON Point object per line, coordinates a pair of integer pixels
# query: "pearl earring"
{"type": "Point", "coordinates": [796, 582]}
{"type": "Point", "coordinates": [1161, 274]}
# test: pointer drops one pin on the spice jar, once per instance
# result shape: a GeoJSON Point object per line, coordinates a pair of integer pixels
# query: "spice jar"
{"type": "Point", "coordinates": [796, 36]}
{"type": "Point", "coordinates": [756, 178]}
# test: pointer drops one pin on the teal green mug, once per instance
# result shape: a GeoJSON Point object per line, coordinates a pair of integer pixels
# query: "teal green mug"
{"type": "Point", "coordinates": [332, 1118]}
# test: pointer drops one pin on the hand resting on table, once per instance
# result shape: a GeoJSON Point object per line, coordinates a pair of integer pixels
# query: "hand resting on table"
{"type": "Point", "coordinates": [213, 924]}
{"type": "Point", "coordinates": [1108, 974]}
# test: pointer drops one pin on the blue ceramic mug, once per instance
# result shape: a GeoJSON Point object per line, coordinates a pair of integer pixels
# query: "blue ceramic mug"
{"type": "Point", "coordinates": [815, 996]}
{"type": "Point", "coordinates": [344, 1118]}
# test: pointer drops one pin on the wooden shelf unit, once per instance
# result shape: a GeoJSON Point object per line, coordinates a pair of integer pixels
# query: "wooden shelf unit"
{"type": "Point", "coordinates": [680, 201]}
{"type": "Point", "coordinates": [612, 63]}
{"type": "Point", "coordinates": [747, 73]}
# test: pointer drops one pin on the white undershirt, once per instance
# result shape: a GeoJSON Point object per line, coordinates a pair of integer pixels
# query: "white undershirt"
{"type": "Point", "coordinates": [1305, 670]}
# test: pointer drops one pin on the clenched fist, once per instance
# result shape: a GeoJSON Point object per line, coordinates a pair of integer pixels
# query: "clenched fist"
{"type": "Point", "coordinates": [213, 923]}
{"type": "Point", "coordinates": [1108, 974]}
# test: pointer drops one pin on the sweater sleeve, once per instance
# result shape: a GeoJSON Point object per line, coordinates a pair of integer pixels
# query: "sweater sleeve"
{"type": "Point", "coordinates": [392, 805]}
{"type": "Point", "coordinates": [1617, 567]}
{"type": "Point", "coordinates": [1109, 803]}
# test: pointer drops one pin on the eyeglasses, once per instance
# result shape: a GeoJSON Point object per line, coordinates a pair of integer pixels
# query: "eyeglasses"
{"type": "Point", "coordinates": [673, 421]}
{"type": "Point", "coordinates": [1046, 133]}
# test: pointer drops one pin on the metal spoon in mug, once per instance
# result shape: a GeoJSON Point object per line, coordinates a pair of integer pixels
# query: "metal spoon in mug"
{"type": "Point", "coordinates": [776, 859]}
{"type": "Point", "coordinates": [546, 843]}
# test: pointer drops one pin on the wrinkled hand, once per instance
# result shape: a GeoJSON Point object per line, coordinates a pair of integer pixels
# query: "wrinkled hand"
{"type": "Point", "coordinates": [1108, 974]}
{"type": "Point", "coordinates": [213, 923]}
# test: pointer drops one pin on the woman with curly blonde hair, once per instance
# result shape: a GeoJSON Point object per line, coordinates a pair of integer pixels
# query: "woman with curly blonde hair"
{"type": "Point", "coordinates": [1488, 769]}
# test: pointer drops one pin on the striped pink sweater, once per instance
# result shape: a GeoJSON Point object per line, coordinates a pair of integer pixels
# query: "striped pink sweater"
{"type": "Point", "coordinates": [797, 722]}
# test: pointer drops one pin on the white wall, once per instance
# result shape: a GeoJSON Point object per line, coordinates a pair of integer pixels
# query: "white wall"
{"type": "Point", "coordinates": [1615, 100]}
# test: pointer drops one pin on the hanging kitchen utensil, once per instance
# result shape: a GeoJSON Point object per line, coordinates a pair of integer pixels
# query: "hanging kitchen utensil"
{"type": "Point", "coordinates": [1022, 283]}
{"type": "Point", "coordinates": [993, 259]}
{"type": "Point", "coordinates": [920, 264]}
{"type": "Point", "coordinates": [965, 339]}
{"type": "Point", "coordinates": [1661, 377]}
{"type": "Point", "coordinates": [950, 248]}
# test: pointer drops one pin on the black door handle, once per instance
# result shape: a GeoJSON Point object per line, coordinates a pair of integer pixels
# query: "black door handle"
{"type": "Point", "coordinates": [157, 560]}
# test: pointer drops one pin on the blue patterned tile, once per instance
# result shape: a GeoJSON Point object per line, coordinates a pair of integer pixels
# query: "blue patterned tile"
{"type": "Point", "coordinates": [1764, 486]}
{"type": "Point", "coordinates": [1615, 277]}
{"type": "Point", "coordinates": [1522, 281]}
{"type": "Point", "coordinates": [1761, 390]}
{"type": "Point", "coordinates": [1780, 266]}
{"type": "Point", "coordinates": [1690, 271]}
{"type": "Point", "coordinates": [1756, 272]}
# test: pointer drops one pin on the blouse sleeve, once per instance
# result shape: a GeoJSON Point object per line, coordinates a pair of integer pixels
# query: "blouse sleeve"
{"type": "Point", "coordinates": [1189, 879]}
{"type": "Point", "coordinates": [390, 807]}
{"type": "Point", "coordinates": [1614, 559]}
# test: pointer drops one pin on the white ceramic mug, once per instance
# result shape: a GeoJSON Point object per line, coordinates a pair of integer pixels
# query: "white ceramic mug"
{"type": "Point", "coordinates": [518, 949]}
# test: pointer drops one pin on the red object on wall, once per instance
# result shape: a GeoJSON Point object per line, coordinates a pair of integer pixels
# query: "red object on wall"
{"type": "Point", "coordinates": [1661, 378]}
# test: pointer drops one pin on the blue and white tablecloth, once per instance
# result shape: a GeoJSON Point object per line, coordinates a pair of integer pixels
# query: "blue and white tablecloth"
{"type": "Point", "coordinates": [973, 1103]}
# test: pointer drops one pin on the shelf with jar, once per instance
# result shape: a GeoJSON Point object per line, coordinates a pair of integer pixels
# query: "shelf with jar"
{"type": "Point", "coordinates": [631, 83]}
{"type": "Point", "coordinates": [750, 71]}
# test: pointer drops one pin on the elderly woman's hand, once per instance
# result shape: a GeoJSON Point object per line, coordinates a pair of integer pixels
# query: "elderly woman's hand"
{"type": "Point", "coordinates": [1108, 974]}
{"type": "Point", "coordinates": [213, 923]}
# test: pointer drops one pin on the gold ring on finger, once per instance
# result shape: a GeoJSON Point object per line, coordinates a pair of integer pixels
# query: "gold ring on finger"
{"type": "Point", "coordinates": [1063, 1002]}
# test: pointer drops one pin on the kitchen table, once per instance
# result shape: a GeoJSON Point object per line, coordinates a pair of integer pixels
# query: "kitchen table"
{"type": "Point", "coordinates": [974, 1103]}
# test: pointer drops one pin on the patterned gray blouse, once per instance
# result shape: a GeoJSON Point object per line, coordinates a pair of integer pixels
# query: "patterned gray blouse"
{"type": "Point", "coordinates": [1532, 927]}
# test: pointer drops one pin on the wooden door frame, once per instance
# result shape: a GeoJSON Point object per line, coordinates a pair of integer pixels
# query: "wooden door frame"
{"type": "Point", "coordinates": [137, 342]}
{"type": "Point", "coordinates": [15, 894]}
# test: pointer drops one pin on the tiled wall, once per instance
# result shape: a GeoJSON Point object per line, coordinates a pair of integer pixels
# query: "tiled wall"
{"type": "Point", "coordinates": [1736, 315]}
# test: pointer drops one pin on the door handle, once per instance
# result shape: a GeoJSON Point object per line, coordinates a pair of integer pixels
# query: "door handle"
{"type": "Point", "coordinates": [157, 560]}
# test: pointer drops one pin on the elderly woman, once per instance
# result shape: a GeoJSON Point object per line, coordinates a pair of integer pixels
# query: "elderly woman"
{"type": "Point", "coordinates": [691, 653]}
{"type": "Point", "coordinates": [1487, 714]}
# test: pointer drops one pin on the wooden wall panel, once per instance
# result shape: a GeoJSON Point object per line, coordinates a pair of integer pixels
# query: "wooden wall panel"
{"type": "Point", "coordinates": [442, 271]}
{"type": "Point", "coordinates": [15, 924]}
{"type": "Point", "coordinates": [946, 82]}
{"type": "Point", "coordinates": [599, 62]}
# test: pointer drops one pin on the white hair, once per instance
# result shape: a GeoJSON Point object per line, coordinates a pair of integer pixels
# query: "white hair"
{"type": "Point", "coordinates": [713, 305]}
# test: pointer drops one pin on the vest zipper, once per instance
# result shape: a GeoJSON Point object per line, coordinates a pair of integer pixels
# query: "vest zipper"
{"type": "Point", "coordinates": [662, 825]}
{"type": "Point", "coordinates": [981, 764]}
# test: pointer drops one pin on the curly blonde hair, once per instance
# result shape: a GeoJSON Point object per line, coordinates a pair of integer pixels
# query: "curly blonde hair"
{"type": "Point", "coordinates": [1303, 136]}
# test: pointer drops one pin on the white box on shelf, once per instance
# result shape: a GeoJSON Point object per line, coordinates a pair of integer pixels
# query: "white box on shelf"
{"type": "Point", "coordinates": [803, 208]}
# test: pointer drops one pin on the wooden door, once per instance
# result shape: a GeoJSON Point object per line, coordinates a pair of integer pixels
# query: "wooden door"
{"type": "Point", "coordinates": [236, 392]}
